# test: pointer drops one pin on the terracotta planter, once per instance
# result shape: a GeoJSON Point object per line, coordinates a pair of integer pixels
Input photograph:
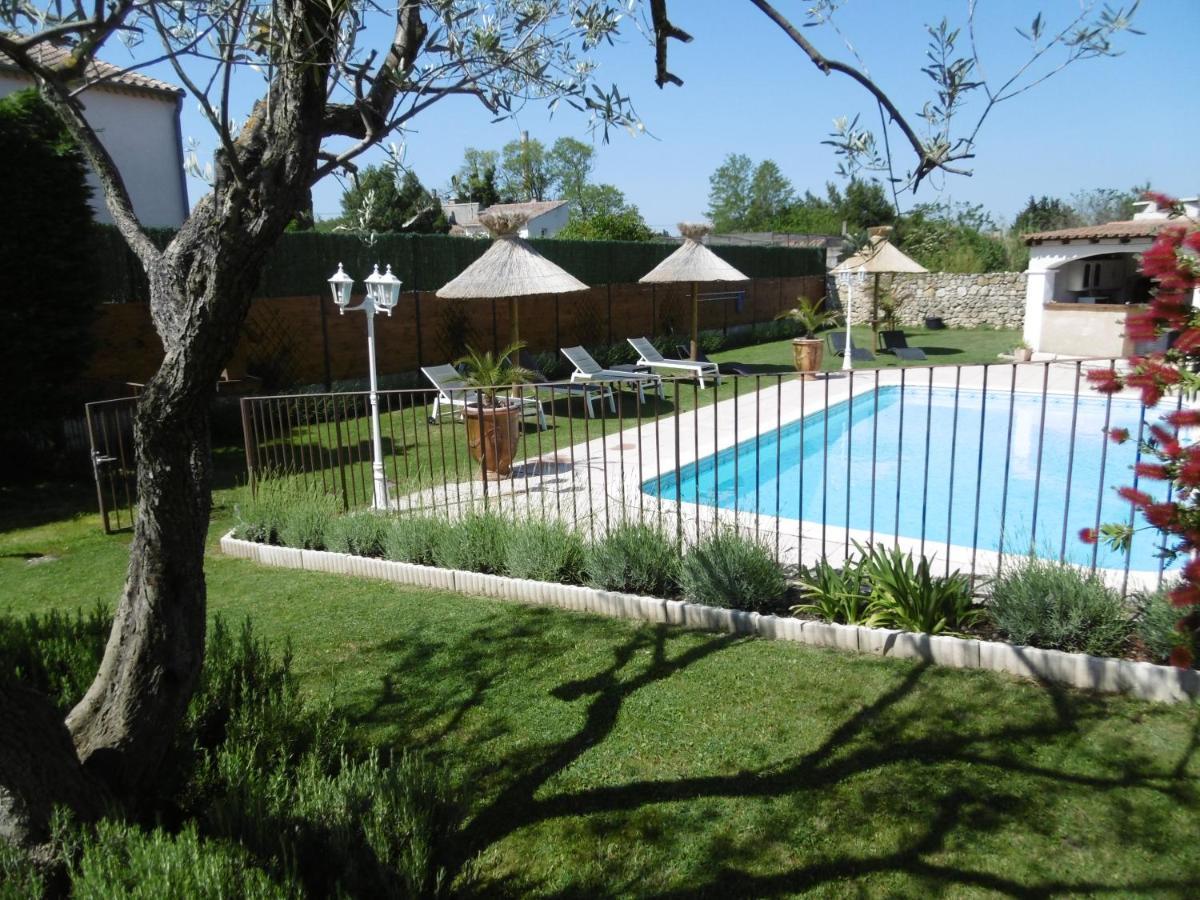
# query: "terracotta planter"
{"type": "Point", "coordinates": [807, 354]}
{"type": "Point", "coordinates": [492, 436]}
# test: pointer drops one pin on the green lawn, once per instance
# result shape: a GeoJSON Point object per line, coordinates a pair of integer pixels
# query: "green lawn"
{"type": "Point", "coordinates": [609, 758]}
{"type": "Point", "coordinates": [945, 347]}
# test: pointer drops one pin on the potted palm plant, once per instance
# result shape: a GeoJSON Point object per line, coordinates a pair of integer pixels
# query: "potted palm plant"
{"type": "Point", "coordinates": [811, 315]}
{"type": "Point", "coordinates": [493, 420]}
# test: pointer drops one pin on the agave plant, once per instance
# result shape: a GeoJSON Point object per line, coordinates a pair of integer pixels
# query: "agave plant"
{"type": "Point", "coordinates": [488, 373]}
{"type": "Point", "coordinates": [836, 595]}
{"type": "Point", "coordinates": [811, 315]}
{"type": "Point", "coordinates": [906, 595]}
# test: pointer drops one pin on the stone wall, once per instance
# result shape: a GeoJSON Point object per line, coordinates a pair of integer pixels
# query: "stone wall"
{"type": "Point", "coordinates": [993, 299]}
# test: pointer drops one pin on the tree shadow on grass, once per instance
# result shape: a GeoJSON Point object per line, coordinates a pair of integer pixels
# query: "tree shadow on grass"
{"type": "Point", "coordinates": [955, 777]}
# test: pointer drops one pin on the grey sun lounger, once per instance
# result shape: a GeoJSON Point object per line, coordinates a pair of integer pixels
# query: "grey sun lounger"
{"type": "Point", "coordinates": [837, 343]}
{"type": "Point", "coordinates": [454, 393]}
{"type": "Point", "coordinates": [701, 356]}
{"type": "Point", "coordinates": [559, 390]}
{"type": "Point", "coordinates": [588, 370]}
{"type": "Point", "coordinates": [648, 355]}
{"type": "Point", "coordinates": [896, 343]}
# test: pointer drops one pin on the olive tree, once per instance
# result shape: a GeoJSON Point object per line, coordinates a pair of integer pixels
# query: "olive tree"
{"type": "Point", "coordinates": [323, 96]}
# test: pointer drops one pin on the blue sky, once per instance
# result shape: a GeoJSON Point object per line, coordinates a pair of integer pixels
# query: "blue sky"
{"type": "Point", "coordinates": [748, 89]}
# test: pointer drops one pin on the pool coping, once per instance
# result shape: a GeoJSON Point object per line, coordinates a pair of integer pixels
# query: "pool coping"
{"type": "Point", "coordinates": [1143, 680]}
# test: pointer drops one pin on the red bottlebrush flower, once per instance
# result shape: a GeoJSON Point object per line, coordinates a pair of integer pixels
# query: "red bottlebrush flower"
{"type": "Point", "coordinates": [1185, 595]}
{"type": "Point", "coordinates": [1136, 497]}
{"type": "Point", "coordinates": [1106, 381]}
{"type": "Point", "coordinates": [1168, 442]}
{"type": "Point", "coordinates": [1161, 200]}
{"type": "Point", "coordinates": [1181, 658]}
{"type": "Point", "coordinates": [1141, 326]}
{"type": "Point", "coordinates": [1118, 435]}
{"type": "Point", "coordinates": [1183, 418]}
{"type": "Point", "coordinates": [1189, 472]}
{"type": "Point", "coordinates": [1160, 515]}
{"type": "Point", "coordinates": [1088, 535]}
{"type": "Point", "coordinates": [1191, 570]}
{"type": "Point", "coordinates": [1192, 240]}
{"type": "Point", "coordinates": [1155, 471]}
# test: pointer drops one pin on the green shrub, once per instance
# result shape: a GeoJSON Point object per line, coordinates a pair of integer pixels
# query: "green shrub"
{"type": "Point", "coordinates": [360, 533]}
{"type": "Point", "coordinates": [544, 551]}
{"type": "Point", "coordinates": [906, 595]}
{"type": "Point", "coordinates": [728, 569]}
{"type": "Point", "coordinates": [20, 877]}
{"type": "Point", "coordinates": [122, 860]}
{"type": "Point", "coordinates": [55, 653]}
{"type": "Point", "coordinates": [414, 539]}
{"type": "Point", "coordinates": [633, 558]}
{"type": "Point", "coordinates": [1057, 607]}
{"type": "Point", "coordinates": [261, 512]}
{"type": "Point", "coordinates": [307, 519]}
{"type": "Point", "coordinates": [477, 542]}
{"type": "Point", "coordinates": [836, 595]}
{"type": "Point", "coordinates": [1157, 626]}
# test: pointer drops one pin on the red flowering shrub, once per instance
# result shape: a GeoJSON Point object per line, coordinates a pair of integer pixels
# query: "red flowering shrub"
{"type": "Point", "coordinates": [1170, 454]}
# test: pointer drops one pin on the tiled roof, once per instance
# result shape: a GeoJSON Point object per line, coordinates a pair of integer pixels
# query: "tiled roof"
{"type": "Point", "coordinates": [1133, 228]}
{"type": "Point", "coordinates": [531, 210]}
{"type": "Point", "coordinates": [104, 74]}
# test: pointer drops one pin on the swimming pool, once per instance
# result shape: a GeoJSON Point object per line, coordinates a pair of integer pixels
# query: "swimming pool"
{"type": "Point", "coordinates": [867, 465]}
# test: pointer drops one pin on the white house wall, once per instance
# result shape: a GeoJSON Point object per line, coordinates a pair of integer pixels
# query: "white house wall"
{"type": "Point", "coordinates": [1045, 263]}
{"type": "Point", "coordinates": [548, 224]}
{"type": "Point", "coordinates": [141, 132]}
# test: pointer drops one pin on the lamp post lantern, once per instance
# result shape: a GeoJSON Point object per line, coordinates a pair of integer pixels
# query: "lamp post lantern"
{"type": "Point", "coordinates": [849, 280]}
{"type": "Point", "coordinates": [383, 292]}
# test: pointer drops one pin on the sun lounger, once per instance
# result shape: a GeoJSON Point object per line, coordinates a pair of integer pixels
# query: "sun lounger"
{"type": "Point", "coordinates": [588, 370]}
{"type": "Point", "coordinates": [837, 343]}
{"type": "Point", "coordinates": [454, 393]}
{"type": "Point", "coordinates": [896, 343]}
{"type": "Point", "coordinates": [589, 392]}
{"type": "Point", "coordinates": [648, 355]}
{"type": "Point", "coordinates": [701, 356]}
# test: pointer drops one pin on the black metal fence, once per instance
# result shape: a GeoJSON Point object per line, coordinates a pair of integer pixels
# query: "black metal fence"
{"type": "Point", "coordinates": [966, 465]}
{"type": "Point", "coordinates": [110, 436]}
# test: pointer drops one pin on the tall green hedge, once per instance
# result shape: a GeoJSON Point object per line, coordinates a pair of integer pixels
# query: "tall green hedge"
{"type": "Point", "coordinates": [46, 306]}
{"type": "Point", "coordinates": [302, 261]}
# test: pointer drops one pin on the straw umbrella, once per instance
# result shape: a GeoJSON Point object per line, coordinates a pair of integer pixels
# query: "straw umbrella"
{"type": "Point", "coordinates": [877, 258]}
{"type": "Point", "coordinates": [511, 268]}
{"type": "Point", "coordinates": [692, 262]}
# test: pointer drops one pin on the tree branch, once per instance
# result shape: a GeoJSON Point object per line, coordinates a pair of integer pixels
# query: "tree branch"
{"type": "Point", "coordinates": [663, 32]}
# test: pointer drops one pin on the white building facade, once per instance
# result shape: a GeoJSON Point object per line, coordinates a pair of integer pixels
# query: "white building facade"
{"type": "Point", "coordinates": [1082, 282]}
{"type": "Point", "coordinates": [137, 120]}
{"type": "Point", "coordinates": [544, 218]}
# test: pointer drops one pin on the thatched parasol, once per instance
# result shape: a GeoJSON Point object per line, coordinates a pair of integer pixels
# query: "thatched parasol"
{"type": "Point", "coordinates": [879, 257]}
{"type": "Point", "coordinates": [692, 262]}
{"type": "Point", "coordinates": [511, 268]}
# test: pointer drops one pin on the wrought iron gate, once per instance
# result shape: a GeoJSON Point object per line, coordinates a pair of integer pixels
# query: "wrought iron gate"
{"type": "Point", "coordinates": [110, 436]}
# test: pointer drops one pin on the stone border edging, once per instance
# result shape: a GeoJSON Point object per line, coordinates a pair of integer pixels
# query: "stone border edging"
{"type": "Point", "coordinates": [1146, 681]}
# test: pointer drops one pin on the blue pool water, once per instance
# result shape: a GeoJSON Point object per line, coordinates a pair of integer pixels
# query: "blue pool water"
{"type": "Point", "coordinates": [809, 470]}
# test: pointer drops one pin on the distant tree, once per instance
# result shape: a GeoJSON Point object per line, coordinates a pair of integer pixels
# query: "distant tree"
{"type": "Point", "coordinates": [569, 165]}
{"type": "Point", "coordinates": [525, 172]}
{"type": "Point", "coordinates": [1044, 214]}
{"type": "Point", "coordinates": [945, 237]}
{"type": "Point", "coordinates": [475, 180]}
{"type": "Point", "coordinates": [1100, 205]}
{"type": "Point", "coordinates": [770, 196]}
{"type": "Point", "coordinates": [729, 193]}
{"type": "Point", "coordinates": [377, 202]}
{"type": "Point", "coordinates": [811, 215]}
{"type": "Point", "coordinates": [598, 200]}
{"type": "Point", "coordinates": [864, 204]}
{"type": "Point", "coordinates": [49, 299]}
{"type": "Point", "coordinates": [624, 225]}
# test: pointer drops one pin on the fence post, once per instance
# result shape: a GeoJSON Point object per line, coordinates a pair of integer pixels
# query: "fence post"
{"type": "Point", "coordinates": [249, 443]}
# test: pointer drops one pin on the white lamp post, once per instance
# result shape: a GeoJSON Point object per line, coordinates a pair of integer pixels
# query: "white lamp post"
{"type": "Point", "coordinates": [848, 280]}
{"type": "Point", "coordinates": [383, 292]}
